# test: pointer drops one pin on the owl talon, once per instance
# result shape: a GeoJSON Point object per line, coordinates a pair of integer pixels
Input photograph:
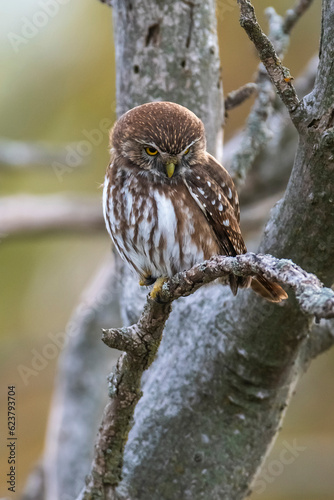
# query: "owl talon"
{"type": "Point", "coordinates": [146, 280]}
{"type": "Point", "coordinates": [157, 288]}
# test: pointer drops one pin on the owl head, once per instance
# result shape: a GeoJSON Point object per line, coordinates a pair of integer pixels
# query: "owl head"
{"type": "Point", "coordinates": [162, 138]}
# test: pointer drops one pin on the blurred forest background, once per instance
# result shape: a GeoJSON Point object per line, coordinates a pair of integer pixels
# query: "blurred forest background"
{"type": "Point", "coordinates": [57, 87]}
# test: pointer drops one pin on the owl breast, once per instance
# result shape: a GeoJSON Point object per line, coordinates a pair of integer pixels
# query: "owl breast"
{"type": "Point", "coordinates": [157, 228]}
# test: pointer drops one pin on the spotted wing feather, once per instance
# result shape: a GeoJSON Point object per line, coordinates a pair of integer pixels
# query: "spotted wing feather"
{"type": "Point", "coordinates": [217, 199]}
{"type": "Point", "coordinates": [213, 190]}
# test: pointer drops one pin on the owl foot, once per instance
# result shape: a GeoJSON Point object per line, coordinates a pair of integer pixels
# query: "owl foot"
{"type": "Point", "coordinates": [157, 288]}
{"type": "Point", "coordinates": [146, 280]}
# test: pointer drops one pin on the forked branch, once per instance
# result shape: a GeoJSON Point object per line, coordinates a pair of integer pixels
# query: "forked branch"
{"type": "Point", "coordinates": [257, 133]}
{"type": "Point", "coordinates": [141, 342]}
{"type": "Point", "coordinates": [279, 75]}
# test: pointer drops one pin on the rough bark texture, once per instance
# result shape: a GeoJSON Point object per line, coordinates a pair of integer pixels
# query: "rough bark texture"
{"type": "Point", "coordinates": [279, 75]}
{"type": "Point", "coordinates": [141, 342]}
{"type": "Point", "coordinates": [169, 51]}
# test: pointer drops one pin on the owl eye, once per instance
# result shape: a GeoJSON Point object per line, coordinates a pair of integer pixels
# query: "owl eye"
{"type": "Point", "coordinates": [151, 151]}
{"type": "Point", "coordinates": [186, 151]}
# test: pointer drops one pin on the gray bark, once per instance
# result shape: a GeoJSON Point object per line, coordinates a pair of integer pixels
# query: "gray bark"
{"type": "Point", "coordinates": [169, 51]}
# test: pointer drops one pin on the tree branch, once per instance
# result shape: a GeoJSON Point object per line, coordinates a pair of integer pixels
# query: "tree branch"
{"type": "Point", "coordinates": [27, 214]}
{"type": "Point", "coordinates": [320, 340]}
{"type": "Point", "coordinates": [272, 167]}
{"type": "Point", "coordinates": [292, 15]}
{"type": "Point", "coordinates": [313, 298]}
{"type": "Point", "coordinates": [237, 97]}
{"type": "Point", "coordinates": [19, 154]}
{"type": "Point", "coordinates": [257, 133]}
{"type": "Point", "coordinates": [141, 342]}
{"type": "Point", "coordinates": [279, 75]}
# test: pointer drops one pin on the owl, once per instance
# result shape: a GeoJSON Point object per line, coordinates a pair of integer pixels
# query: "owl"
{"type": "Point", "coordinates": [168, 204]}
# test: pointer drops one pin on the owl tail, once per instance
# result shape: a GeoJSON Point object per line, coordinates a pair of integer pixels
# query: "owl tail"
{"type": "Point", "coordinates": [263, 287]}
{"type": "Point", "coordinates": [268, 290]}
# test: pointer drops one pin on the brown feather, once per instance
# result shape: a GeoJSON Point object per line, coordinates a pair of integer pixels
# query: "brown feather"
{"type": "Point", "coordinates": [267, 289]}
{"type": "Point", "coordinates": [163, 225]}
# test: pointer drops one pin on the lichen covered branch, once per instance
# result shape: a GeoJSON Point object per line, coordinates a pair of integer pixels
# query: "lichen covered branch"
{"type": "Point", "coordinates": [257, 133]}
{"type": "Point", "coordinates": [313, 298]}
{"type": "Point", "coordinates": [279, 75]}
{"type": "Point", "coordinates": [141, 342]}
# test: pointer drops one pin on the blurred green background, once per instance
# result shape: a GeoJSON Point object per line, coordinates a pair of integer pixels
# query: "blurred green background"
{"type": "Point", "coordinates": [55, 87]}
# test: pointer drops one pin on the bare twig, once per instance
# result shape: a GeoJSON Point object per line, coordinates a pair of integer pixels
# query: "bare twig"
{"type": "Point", "coordinates": [237, 97]}
{"type": "Point", "coordinates": [272, 166]}
{"type": "Point", "coordinates": [257, 133]}
{"type": "Point", "coordinates": [141, 342]}
{"type": "Point", "coordinates": [279, 75]}
{"type": "Point", "coordinates": [27, 214]}
{"type": "Point", "coordinates": [292, 15]}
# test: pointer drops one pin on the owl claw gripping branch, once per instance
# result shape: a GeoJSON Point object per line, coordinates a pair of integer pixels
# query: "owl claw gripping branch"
{"type": "Point", "coordinates": [168, 204]}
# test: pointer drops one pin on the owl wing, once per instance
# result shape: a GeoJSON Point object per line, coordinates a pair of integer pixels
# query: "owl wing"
{"type": "Point", "coordinates": [223, 179]}
{"type": "Point", "coordinates": [213, 190]}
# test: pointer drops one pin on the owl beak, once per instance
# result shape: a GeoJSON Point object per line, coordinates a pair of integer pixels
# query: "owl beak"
{"type": "Point", "coordinates": [170, 167]}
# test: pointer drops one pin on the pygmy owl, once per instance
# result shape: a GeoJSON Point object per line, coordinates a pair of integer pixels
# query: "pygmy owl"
{"type": "Point", "coordinates": [168, 204]}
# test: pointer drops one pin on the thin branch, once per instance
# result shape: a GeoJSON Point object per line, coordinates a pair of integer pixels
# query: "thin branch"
{"type": "Point", "coordinates": [141, 342]}
{"type": "Point", "coordinates": [279, 75]}
{"type": "Point", "coordinates": [237, 97]}
{"type": "Point", "coordinates": [312, 296]}
{"type": "Point", "coordinates": [257, 133]}
{"type": "Point", "coordinates": [20, 154]}
{"type": "Point", "coordinates": [26, 214]}
{"type": "Point", "coordinates": [292, 15]}
{"type": "Point", "coordinates": [274, 159]}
